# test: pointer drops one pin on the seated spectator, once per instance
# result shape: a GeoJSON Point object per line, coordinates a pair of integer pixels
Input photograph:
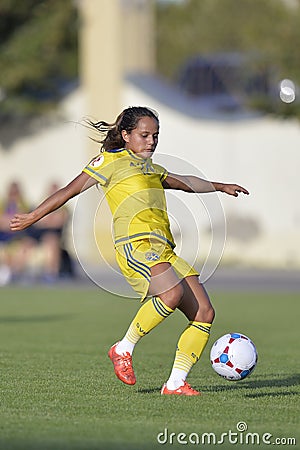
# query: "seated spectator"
{"type": "Point", "coordinates": [12, 204]}
{"type": "Point", "coordinates": [49, 236]}
{"type": "Point", "coordinates": [14, 248]}
{"type": "Point", "coordinates": [38, 251]}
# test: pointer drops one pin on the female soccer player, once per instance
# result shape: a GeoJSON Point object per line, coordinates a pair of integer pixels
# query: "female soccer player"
{"type": "Point", "coordinates": [134, 187]}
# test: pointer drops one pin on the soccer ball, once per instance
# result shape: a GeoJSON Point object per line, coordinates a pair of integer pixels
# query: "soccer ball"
{"type": "Point", "coordinates": [233, 356]}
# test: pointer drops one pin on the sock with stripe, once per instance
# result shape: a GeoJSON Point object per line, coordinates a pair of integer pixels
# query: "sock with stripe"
{"type": "Point", "coordinates": [189, 349]}
{"type": "Point", "coordinates": [148, 317]}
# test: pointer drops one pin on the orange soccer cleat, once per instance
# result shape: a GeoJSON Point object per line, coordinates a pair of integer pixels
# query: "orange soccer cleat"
{"type": "Point", "coordinates": [186, 389]}
{"type": "Point", "coordinates": [122, 365]}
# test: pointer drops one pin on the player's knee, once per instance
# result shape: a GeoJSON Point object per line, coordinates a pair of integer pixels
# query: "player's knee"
{"type": "Point", "coordinates": [209, 315]}
{"type": "Point", "coordinates": [173, 297]}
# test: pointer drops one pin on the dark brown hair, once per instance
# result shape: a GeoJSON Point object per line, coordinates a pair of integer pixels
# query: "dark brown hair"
{"type": "Point", "coordinates": [127, 120]}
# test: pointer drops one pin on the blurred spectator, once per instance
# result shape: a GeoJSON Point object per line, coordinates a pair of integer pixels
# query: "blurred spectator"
{"type": "Point", "coordinates": [38, 251]}
{"type": "Point", "coordinates": [48, 234]}
{"type": "Point", "coordinates": [14, 248]}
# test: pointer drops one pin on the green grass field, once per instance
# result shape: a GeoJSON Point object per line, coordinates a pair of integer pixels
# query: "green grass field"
{"type": "Point", "coordinates": [58, 389]}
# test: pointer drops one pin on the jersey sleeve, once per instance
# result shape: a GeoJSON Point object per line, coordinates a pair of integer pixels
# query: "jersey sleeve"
{"type": "Point", "coordinates": [100, 168]}
{"type": "Point", "coordinates": [161, 171]}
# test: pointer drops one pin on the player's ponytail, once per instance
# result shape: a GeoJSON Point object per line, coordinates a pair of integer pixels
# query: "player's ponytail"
{"type": "Point", "coordinates": [127, 120]}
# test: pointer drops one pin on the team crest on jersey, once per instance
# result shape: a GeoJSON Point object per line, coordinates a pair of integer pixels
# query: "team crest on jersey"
{"type": "Point", "coordinates": [151, 256]}
{"type": "Point", "coordinates": [98, 161]}
{"type": "Point", "coordinates": [145, 166]}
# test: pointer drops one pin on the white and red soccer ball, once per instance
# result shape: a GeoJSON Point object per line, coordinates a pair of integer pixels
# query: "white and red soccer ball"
{"type": "Point", "coordinates": [233, 356]}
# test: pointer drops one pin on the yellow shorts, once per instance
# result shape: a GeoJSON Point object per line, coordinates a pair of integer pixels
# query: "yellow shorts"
{"type": "Point", "coordinates": [136, 258]}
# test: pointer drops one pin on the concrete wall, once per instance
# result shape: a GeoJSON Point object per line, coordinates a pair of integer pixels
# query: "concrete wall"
{"type": "Point", "coordinates": [53, 151]}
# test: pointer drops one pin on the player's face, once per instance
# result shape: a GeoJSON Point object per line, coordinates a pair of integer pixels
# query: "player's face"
{"type": "Point", "coordinates": [143, 139]}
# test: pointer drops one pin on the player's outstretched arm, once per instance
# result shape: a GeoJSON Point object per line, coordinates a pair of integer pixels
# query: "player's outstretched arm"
{"type": "Point", "coordinates": [79, 184]}
{"type": "Point", "coordinates": [190, 183]}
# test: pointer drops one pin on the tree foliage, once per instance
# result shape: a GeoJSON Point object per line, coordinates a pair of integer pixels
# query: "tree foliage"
{"type": "Point", "coordinates": [268, 28]}
{"type": "Point", "coordinates": [39, 49]}
{"type": "Point", "coordinates": [38, 53]}
{"type": "Point", "coordinates": [202, 26]}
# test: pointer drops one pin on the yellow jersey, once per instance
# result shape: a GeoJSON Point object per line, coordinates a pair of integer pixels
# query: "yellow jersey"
{"type": "Point", "coordinates": [134, 192]}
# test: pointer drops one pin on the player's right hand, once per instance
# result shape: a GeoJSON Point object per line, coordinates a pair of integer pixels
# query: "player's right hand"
{"type": "Point", "coordinates": [21, 221]}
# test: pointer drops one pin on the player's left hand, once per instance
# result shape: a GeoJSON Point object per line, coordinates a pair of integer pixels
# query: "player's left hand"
{"type": "Point", "coordinates": [234, 189]}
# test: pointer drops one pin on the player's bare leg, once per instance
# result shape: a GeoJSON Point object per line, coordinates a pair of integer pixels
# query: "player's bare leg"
{"type": "Point", "coordinates": [166, 285]}
{"type": "Point", "coordinates": [195, 303]}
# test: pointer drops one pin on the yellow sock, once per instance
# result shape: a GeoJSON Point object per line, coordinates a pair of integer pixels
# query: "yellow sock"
{"type": "Point", "coordinates": [148, 317]}
{"type": "Point", "coordinates": [189, 349]}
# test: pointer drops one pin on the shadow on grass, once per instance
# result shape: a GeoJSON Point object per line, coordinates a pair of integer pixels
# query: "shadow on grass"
{"type": "Point", "coordinates": [258, 384]}
{"type": "Point", "coordinates": [153, 390]}
{"type": "Point", "coordinates": [31, 319]}
{"type": "Point", "coordinates": [271, 394]}
{"type": "Point", "coordinates": [239, 385]}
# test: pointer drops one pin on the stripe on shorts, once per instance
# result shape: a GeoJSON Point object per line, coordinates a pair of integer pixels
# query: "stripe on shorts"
{"type": "Point", "coordinates": [135, 264]}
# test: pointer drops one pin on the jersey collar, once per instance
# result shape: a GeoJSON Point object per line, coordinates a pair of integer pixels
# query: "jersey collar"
{"type": "Point", "coordinates": [130, 153]}
{"type": "Point", "coordinates": [136, 157]}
